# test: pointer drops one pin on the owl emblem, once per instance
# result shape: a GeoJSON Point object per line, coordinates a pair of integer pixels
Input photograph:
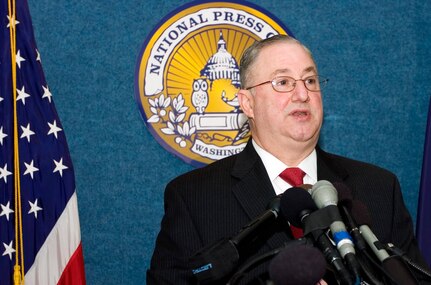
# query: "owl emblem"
{"type": "Point", "coordinates": [200, 95]}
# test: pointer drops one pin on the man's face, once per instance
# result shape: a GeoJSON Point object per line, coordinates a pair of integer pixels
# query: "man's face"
{"type": "Point", "coordinates": [279, 118]}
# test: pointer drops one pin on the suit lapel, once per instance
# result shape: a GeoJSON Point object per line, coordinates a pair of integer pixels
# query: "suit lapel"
{"type": "Point", "coordinates": [254, 189]}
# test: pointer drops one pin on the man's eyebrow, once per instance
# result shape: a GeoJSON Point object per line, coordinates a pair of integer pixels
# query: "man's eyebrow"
{"type": "Point", "coordinates": [287, 70]}
{"type": "Point", "coordinates": [281, 70]}
{"type": "Point", "coordinates": [309, 69]}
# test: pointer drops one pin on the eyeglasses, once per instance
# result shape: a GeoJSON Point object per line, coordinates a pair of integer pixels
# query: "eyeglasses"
{"type": "Point", "coordinates": [286, 83]}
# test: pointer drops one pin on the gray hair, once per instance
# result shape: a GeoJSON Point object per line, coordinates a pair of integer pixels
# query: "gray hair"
{"type": "Point", "coordinates": [252, 52]}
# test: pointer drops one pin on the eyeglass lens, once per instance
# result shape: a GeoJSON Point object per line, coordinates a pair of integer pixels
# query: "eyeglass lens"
{"type": "Point", "coordinates": [286, 83]}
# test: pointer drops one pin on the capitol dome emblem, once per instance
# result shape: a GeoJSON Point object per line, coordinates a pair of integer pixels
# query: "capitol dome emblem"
{"type": "Point", "coordinates": [187, 77]}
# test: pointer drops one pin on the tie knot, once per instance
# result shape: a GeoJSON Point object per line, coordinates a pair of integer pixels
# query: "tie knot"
{"type": "Point", "coordinates": [293, 175]}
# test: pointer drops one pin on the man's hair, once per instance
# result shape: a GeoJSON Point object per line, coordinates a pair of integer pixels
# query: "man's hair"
{"type": "Point", "coordinates": [252, 52]}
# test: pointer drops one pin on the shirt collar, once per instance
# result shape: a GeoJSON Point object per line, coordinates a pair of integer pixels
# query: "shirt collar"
{"type": "Point", "coordinates": [274, 166]}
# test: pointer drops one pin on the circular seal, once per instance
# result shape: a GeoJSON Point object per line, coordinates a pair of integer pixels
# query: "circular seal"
{"type": "Point", "coordinates": [187, 77]}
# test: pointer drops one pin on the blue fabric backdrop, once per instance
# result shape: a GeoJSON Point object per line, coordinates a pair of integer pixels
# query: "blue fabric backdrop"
{"type": "Point", "coordinates": [377, 55]}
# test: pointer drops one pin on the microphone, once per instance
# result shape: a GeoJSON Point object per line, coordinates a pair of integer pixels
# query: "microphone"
{"type": "Point", "coordinates": [392, 265]}
{"type": "Point", "coordinates": [362, 217]}
{"type": "Point", "coordinates": [297, 265]}
{"type": "Point", "coordinates": [325, 196]}
{"type": "Point", "coordinates": [251, 232]}
{"type": "Point", "coordinates": [345, 204]}
{"type": "Point", "coordinates": [217, 261]}
{"type": "Point", "coordinates": [259, 259]}
{"type": "Point", "coordinates": [296, 206]}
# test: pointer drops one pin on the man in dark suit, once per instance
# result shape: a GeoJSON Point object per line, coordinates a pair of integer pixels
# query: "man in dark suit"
{"type": "Point", "coordinates": [281, 97]}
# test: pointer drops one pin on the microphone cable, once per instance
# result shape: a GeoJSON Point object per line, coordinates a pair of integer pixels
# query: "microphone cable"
{"type": "Point", "coordinates": [397, 251]}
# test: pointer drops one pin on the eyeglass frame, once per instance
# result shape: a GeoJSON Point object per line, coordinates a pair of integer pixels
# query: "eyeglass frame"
{"type": "Point", "coordinates": [322, 83]}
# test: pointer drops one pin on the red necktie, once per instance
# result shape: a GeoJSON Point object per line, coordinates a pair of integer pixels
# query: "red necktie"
{"type": "Point", "coordinates": [294, 176]}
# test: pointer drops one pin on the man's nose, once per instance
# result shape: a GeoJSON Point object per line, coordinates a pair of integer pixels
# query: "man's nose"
{"type": "Point", "coordinates": [300, 92]}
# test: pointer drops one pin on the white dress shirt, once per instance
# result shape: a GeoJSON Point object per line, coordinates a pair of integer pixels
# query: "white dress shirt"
{"type": "Point", "coordinates": [274, 167]}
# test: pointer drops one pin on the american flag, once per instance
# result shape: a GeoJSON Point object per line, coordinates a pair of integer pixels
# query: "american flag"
{"type": "Point", "coordinates": [48, 244]}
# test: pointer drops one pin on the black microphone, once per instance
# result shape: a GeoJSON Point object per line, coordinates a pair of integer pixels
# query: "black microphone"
{"type": "Point", "coordinates": [297, 265]}
{"type": "Point", "coordinates": [219, 260]}
{"type": "Point", "coordinates": [393, 266]}
{"type": "Point", "coordinates": [325, 196]}
{"type": "Point", "coordinates": [259, 259]}
{"type": "Point", "coordinates": [296, 206]}
{"type": "Point", "coordinates": [257, 228]}
{"type": "Point", "coordinates": [345, 204]}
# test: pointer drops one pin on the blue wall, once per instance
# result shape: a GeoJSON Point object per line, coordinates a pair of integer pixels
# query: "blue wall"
{"type": "Point", "coordinates": [377, 56]}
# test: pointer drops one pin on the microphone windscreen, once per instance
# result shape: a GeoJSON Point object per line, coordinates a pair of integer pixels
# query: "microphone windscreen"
{"type": "Point", "coordinates": [360, 213]}
{"type": "Point", "coordinates": [294, 201]}
{"type": "Point", "coordinates": [297, 265]}
{"type": "Point", "coordinates": [345, 196]}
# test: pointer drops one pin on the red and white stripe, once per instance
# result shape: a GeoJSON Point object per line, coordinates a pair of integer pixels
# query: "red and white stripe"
{"type": "Point", "coordinates": [60, 259]}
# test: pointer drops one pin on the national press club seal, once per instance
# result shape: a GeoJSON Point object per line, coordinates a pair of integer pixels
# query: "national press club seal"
{"type": "Point", "coordinates": [187, 77]}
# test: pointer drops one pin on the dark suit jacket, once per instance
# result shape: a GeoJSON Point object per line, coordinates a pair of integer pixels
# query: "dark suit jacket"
{"type": "Point", "coordinates": [215, 201]}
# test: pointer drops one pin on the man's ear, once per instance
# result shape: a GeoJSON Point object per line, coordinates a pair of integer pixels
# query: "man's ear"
{"type": "Point", "coordinates": [246, 101]}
